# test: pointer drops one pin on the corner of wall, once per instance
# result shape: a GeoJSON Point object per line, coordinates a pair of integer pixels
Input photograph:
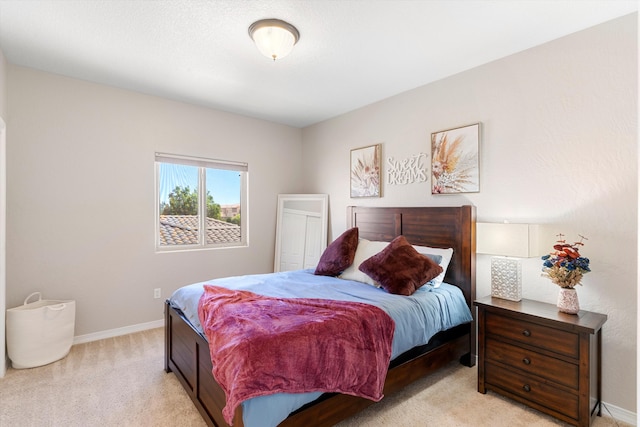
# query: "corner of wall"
{"type": "Point", "coordinates": [3, 192]}
{"type": "Point", "coordinates": [3, 85]}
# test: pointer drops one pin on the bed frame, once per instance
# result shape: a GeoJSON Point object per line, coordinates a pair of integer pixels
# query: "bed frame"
{"type": "Point", "coordinates": [187, 351]}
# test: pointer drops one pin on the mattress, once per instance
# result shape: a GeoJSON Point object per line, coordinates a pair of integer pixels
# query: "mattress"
{"type": "Point", "coordinates": [417, 317]}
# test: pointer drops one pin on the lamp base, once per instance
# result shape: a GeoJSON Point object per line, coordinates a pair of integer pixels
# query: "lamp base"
{"type": "Point", "coordinates": [506, 278]}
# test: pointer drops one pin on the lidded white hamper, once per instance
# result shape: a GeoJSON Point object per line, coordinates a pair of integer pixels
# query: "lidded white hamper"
{"type": "Point", "coordinates": [40, 332]}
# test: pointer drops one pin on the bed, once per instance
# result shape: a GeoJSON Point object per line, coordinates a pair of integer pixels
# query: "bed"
{"type": "Point", "coordinates": [187, 350]}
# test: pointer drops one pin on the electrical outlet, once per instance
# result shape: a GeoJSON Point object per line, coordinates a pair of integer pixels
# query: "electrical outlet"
{"type": "Point", "coordinates": [157, 293]}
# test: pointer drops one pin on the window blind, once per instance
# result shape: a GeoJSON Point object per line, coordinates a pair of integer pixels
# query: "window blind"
{"type": "Point", "coordinates": [202, 162]}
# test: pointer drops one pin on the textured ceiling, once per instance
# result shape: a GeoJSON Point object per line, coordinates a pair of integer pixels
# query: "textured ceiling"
{"type": "Point", "coordinates": [351, 52]}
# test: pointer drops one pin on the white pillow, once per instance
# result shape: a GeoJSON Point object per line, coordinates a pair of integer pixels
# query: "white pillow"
{"type": "Point", "coordinates": [366, 249]}
{"type": "Point", "coordinates": [446, 255]}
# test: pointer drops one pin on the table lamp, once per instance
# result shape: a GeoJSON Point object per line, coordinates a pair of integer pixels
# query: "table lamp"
{"type": "Point", "coordinates": [508, 243]}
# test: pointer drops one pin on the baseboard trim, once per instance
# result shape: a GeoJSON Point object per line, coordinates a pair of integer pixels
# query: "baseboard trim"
{"type": "Point", "coordinates": [617, 413]}
{"type": "Point", "coordinates": [79, 339]}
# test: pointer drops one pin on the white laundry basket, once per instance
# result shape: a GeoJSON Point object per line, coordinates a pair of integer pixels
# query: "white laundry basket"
{"type": "Point", "coordinates": [40, 332]}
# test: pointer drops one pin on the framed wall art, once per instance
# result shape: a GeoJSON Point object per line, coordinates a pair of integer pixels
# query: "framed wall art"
{"type": "Point", "coordinates": [365, 171]}
{"type": "Point", "coordinates": [454, 160]}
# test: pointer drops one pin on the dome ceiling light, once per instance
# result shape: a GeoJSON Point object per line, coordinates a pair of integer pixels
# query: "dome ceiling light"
{"type": "Point", "coordinates": [275, 38]}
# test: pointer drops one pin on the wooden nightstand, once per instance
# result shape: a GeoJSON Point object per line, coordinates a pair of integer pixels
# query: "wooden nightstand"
{"type": "Point", "coordinates": [532, 353]}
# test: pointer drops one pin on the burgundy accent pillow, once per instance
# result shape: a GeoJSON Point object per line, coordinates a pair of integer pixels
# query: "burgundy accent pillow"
{"type": "Point", "coordinates": [399, 268]}
{"type": "Point", "coordinates": [339, 254]}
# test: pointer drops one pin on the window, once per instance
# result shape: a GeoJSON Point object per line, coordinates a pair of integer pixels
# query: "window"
{"type": "Point", "coordinates": [200, 203]}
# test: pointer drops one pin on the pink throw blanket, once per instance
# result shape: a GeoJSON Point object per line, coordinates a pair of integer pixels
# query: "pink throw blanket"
{"type": "Point", "coordinates": [261, 345]}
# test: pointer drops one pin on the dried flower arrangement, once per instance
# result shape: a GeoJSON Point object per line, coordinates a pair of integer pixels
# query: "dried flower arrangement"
{"type": "Point", "coordinates": [565, 266]}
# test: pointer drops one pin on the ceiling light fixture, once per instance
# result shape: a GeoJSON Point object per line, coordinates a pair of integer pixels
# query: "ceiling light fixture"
{"type": "Point", "coordinates": [275, 38]}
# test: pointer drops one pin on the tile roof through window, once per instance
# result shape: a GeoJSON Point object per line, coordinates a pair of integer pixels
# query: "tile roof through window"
{"type": "Point", "coordinates": [183, 230]}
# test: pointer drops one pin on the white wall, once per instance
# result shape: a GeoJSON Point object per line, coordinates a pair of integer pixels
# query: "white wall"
{"type": "Point", "coordinates": [3, 200]}
{"type": "Point", "coordinates": [559, 147]}
{"type": "Point", "coordinates": [80, 220]}
{"type": "Point", "coordinates": [3, 85]}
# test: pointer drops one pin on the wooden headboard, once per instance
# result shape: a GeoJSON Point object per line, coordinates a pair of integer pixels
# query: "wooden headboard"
{"type": "Point", "coordinates": [439, 227]}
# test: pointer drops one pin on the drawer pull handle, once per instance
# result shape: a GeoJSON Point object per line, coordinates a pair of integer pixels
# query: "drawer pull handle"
{"type": "Point", "coordinates": [526, 361]}
{"type": "Point", "coordinates": [526, 388]}
{"type": "Point", "coordinates": [526, 333]}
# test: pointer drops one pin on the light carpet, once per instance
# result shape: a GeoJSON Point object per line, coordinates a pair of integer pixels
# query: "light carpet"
{"type": "Point", "coordinates": [121, 382]}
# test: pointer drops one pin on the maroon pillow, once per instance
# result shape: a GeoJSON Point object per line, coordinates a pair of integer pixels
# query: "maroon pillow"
{"type": "Point", "coordinates": [339, 254]}
{"type": "Point", "coordinates": [399, 268]}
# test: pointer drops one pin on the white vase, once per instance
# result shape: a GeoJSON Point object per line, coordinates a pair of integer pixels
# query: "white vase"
{"type": "Point", "coordinates": [568, 301]}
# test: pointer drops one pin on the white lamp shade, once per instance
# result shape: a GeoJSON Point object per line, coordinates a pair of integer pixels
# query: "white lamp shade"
{"type": "Point", "coordinates": [515, 240]}
{"type": "Point", "coordinates": [274, 38]}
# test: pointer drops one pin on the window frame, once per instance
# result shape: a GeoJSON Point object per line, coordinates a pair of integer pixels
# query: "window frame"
{"type": "Point", "coordinates": [203, 164]}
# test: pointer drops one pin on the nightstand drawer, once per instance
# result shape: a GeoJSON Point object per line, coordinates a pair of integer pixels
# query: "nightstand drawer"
{"type": "Point", "coordinates": [561, 342]}
{"type": "Point", "coordinates": [532, 389]}
{"type": "Point", "coordinates": [533, 363]}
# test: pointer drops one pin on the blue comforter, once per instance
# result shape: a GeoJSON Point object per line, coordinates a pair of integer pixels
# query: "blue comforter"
{"type": "Point", "coordinates": [418, 317]}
